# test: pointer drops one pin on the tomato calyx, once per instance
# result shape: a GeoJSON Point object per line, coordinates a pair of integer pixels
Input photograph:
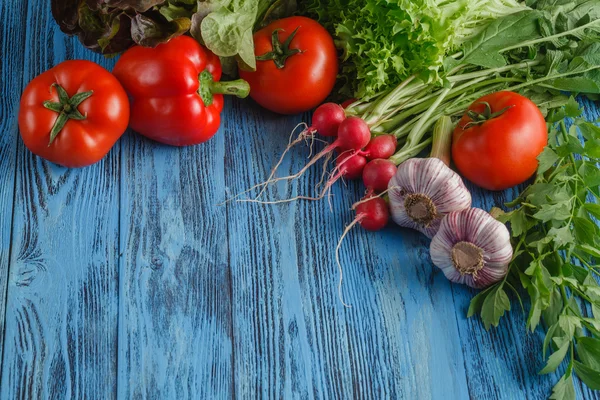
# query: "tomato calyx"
{"type": "Point", "coordinates": [486, 115]}
{"type": "Point", "coordinates": [281, 51]}
{"type": "Point", "coordinates": [209, 87]}
{"type": "Point", "coordinates": [66, 107]}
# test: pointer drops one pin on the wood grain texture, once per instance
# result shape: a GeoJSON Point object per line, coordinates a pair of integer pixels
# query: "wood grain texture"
{"type": "Point", "coordinates": [128, 280]}
{"type": "Point", "coordinates": [175, 331]}
{"type": "Point", "coordinates": [293, 337]}
{"type": "Point", "coordinates": [12, 41]}
{"type": "Point", "coordinates": [61, 319]}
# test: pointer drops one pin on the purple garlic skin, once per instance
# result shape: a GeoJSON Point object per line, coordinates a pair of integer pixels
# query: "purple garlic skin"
{"type": "Point", "coordinates": [472, 248]}
{"type": "Point", "coordinates": [423, 191]}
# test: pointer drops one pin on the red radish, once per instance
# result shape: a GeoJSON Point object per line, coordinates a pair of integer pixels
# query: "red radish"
{"type": "Point", "coordinates": [383, 146]}
{"type": "Point", "coordinates": [372, 213]}
{"type": "Point", "coordinates": [346, 103]}
{"type": "Point", "coordinates": [353, 134]}
{"type": "Point", "coordinates": [327, 118]}
{"type": "Point", "coordinates": [377, 174]}
{"type": "Point", "coordinates": [350, 166]}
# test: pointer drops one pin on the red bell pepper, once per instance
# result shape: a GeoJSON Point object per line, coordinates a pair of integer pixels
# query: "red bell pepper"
{"type": "Point", "coordinates": [176, 96]}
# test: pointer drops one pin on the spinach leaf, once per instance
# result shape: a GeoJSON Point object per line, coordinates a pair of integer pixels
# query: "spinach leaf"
{"type": "Point", "coordinates": [484, 50]}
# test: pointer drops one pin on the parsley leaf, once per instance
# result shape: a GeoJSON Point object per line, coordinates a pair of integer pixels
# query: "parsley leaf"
{"type": "Point", "coordinates": [494, 306]}
{"type": "Point", "coordinates": [555, 224]}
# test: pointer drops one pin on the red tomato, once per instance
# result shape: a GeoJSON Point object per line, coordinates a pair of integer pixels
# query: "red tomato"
{"type": "Point", "coordinates": [296, 76]}
{"type": "Point", "coordinates": [501, 150]}
{"type": "Point", "coordinates": [73, 113]}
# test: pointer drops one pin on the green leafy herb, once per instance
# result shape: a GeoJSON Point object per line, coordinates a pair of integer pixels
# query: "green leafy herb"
{"type": "Point", "coordinates": [385, 41]}
{"type": "Point", "coordinates": [536, 52]}
{"type": "Point", "coordinates": [224, 26]}
{"type": "Point", "coordinates": [564, 389]}
{"type": "Point", "coordinates": [553, 219]}
{"type": "Point", "coordinates": [494, 306]}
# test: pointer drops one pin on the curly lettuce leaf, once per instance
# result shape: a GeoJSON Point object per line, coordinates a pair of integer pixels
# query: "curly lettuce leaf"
{"type": "Point", "coordinates": [385, 41]}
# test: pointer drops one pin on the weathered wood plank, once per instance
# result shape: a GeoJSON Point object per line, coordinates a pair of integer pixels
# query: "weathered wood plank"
{"type": "Point", "coordinates": [61, 320]}
{"type": "Point", "coordinates": [216, 302]}
{"type": "Point", "coordinates": [175, 331]}
{"type": "Point", "coordinates": [12, 39]}
{"type": "Point", "coordinates": [293, 338]}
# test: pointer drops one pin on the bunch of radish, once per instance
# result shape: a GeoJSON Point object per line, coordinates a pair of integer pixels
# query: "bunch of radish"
{"type": "Point", "coordinates": [359, 153]}
{"type": "Point", "coordinates": [417, 193]}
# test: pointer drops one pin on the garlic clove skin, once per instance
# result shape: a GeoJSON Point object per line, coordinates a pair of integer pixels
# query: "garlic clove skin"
{"type": "Point", "coordinates": [430, 189]}
{"type": "Point", "coordinates": [462, 237]}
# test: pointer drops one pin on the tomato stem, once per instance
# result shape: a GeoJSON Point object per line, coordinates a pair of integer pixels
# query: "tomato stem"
{"type": "Point", "coordinates": [209, 87]}
{"type": "Point", "coordinates": [281, 51]}
{"type": "Point", "coordinates": [66, 107]}
{"type": "Point", "coordinates": [486, 115]}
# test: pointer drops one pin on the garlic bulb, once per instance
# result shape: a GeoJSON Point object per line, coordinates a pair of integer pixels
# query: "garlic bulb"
{"type": "Point", "coordinates": [423, 191]}
{"type": "Point", "coordinates": [472, 247]}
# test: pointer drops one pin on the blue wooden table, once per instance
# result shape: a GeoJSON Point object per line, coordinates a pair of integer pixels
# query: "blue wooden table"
{"type": "Point", "coordinates": [127, 280]}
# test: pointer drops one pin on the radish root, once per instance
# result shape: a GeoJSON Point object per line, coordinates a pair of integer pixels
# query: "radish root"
{"type": "Point", "coordinates": [370, 197]}
{"type": "Point", "coordinates": [304, 135]}
{"type": "Point", "coordinates": [324, 174]}
{"type": "Point", "coordinates": [291, 143]}
{"type": "Point", "coordinates": [337, 256]}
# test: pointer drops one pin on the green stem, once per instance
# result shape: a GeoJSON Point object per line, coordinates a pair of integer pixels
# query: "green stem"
{"type": "Point", "coordinates": [415, 99]}
{"type": "Point", "coordinates": [442, 139]}
{"type": "Point", "coordinates": [461, 106]}
{"type": "Point", "coordinates": [209, 87]}
{"type": "Point", "coordinates": [281, 50]}
{"type": "Point", "coordinates": [547, 78]}
{"type": "Point", "coordinates": [586, 264]}
{"type": "Point", "coordinates": [384, 103]}
{"type": "Point", "coordinates": [405, 129]}
{"type": "Point", "coordinates": [491, 71]}
{"type": "Point", "coordinates": [425, 121]}
{"type": "Point", "coordinates": [517, 248]}
{"type": "Point", "coordinates": [407, 153]}
{"type": "Point", "coordinates": [565, 135]}
{"type": "Point", "coordinates": [66, 107]}
{"type": "Point", "coordinates": [426, 102]}
{"type": "Point", "coordinates": [530, 43]}
{"type": "Point", "coordinates": [239, 88]}
{"type": "Point", "coordinates": [413, 143]}
{"type": "Point", "coordinates": [406, 89]}
{"type": "Point", "coordinates": [563, 293]}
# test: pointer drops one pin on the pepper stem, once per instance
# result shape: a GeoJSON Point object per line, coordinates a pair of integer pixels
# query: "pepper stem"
{"type": "Point", "coordinates": [66, 107]}
{"type": "Point", "coordinates": [209, 87]}
{"type": "Point", "coordinates": [442, 139]}
{"type": "Point", "coordinates": [281, 51]}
